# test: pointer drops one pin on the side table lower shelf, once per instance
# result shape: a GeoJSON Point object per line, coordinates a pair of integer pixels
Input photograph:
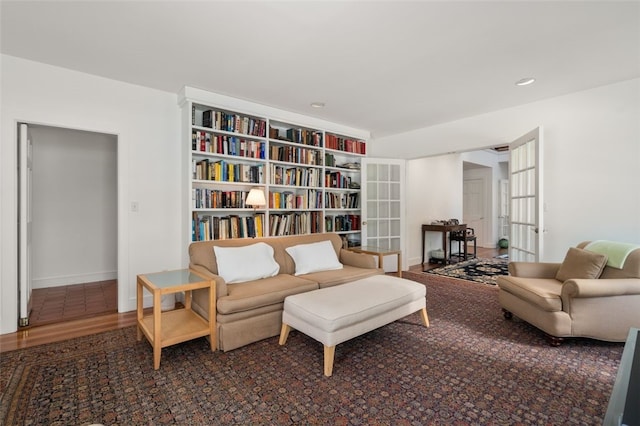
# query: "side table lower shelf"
{"type": "Point", "coordinates": [178, 326]}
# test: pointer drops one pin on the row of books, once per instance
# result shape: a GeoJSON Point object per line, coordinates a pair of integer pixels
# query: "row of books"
{"type": "Point", "coordinates": [345, 144]}
{"type": "Point", "coordinates": [203, 198]}
{"type": "Point", "coordinates": [294, 154]}
{"type": "Point", "coordinates": [220, 120]}
{"type": "Point", "coordinates": [337, 180]}
{"type": "Point", "coordinates": [295, 223]}
{"type": "Point", "coordinates": [296, 176]}
{"type": "Point", "coordinates": [225, 171]}
{"type": "Point", "coordinates": [225, 144]}
{"type": "Point", "coordinates": [207, 228]}
{"type": "Point", "coordinates": [309, 199]}
{"type": "Point", "coordinates": [304, 136]}
{"type": "Point", "coordinates": [350, 200]}
{"type": "Point", "coordinates": [347, 222]}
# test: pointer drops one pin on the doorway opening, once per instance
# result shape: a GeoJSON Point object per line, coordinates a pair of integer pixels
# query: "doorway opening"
{"type": "Point", "coordinates": [483, 170]}
{"type": "Point", "coordinates": [73, 225]}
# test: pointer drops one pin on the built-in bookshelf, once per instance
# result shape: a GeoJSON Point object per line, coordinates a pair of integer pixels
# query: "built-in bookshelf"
{"type": "Point", "coordinates": [310, 174]}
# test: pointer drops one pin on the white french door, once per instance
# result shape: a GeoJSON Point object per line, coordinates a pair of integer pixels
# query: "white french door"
{"type": "Point", "coordinates": [525, 197]}
{"type": "Point", "coordinates": [25, 152]}
{"type": "Point", "coordinates": [383, 207]}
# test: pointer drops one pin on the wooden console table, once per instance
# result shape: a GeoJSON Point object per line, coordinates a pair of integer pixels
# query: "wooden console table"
{"type": "Point", "coordinates": [444, 229]}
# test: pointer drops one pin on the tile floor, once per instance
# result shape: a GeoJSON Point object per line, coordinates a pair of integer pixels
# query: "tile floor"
{"type": "Point", "coordinates": [56, 304]}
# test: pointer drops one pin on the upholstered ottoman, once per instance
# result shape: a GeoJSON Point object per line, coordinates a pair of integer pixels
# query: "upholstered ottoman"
{"type": "Point", "coordinates": [336, 314]}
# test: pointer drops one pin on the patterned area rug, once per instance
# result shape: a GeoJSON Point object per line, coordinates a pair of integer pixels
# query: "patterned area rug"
{"type": "Point", "coordinates": [470, 367]}
{"type": "Point", "coordinates": [479, 270]}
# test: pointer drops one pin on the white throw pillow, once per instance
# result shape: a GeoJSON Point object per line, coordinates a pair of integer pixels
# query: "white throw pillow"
{"type": "Point", "coordinates": [314, 257]}
{"type": "Point", "coordinates": [246, 263]}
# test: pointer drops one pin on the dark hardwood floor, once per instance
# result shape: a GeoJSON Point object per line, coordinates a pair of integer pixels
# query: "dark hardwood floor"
{"type": "Point", "coordinates": [70, 302]}
{"type": "Point", "coordinates": [96, 322]}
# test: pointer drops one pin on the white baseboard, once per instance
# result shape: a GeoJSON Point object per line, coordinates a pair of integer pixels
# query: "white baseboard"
{"type": "Point", "coordinates": [73, 279]}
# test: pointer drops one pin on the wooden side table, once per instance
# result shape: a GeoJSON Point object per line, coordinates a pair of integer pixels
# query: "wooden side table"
{"type": "Point", "coordinates": [164, 329]}
{"type": "Point", "coordinates": [381, 253]}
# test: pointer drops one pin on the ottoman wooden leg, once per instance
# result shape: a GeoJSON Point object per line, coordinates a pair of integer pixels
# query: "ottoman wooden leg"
{"type": "Point", "coordinates": [425, 317]}
{"type": "Point", "coordinates": [284, 333]}
{"type": "Point", "coordinates": [329, 352]}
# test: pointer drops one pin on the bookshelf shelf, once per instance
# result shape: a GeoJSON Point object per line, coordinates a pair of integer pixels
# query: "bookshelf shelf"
{"type": "Point", "coordinates": [310, 174]}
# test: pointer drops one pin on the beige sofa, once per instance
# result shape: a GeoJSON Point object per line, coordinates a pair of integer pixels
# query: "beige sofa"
{"type": "Point", "coordinates": [603, 308]}
{"type": "Point", "coordinates": [251, 311]}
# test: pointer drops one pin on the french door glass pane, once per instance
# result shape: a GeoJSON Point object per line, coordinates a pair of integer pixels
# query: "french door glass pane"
{"type": "Point", "coordinates": [372, 173]}
{"type": "Point", "coordinates": [394, 210]}
{"type": "Point", "coordinates": [383, 228]}
{"type": "Point", "coordinates": [395, 244]}
{"type": "Point", "coordinates": [372, 189]}
{"type": "Point", "coordinates": [395, 173]}
{"type": "Point", "coordinates": [383, 172]}
{"type": "Point", "coordinates": [383, 191]}
{"type": "Point", "coordinates": [383, 209]}
{"type": "Point", "coordinates": [395, 227]}
{"type": "Point", "coordinates": [372, 210]}
{"type": "Point", "coordinates": [372, 228]}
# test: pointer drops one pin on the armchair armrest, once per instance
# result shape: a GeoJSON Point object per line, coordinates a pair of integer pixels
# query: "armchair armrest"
{"type": "Point", "coordinates": [221, 284]}
{"type": "Point", "coordinates": [359, 260]}
{"type": "Point", "coordinates": [534, 269]}
{"type": "Point", "coordinates": [583, 288]}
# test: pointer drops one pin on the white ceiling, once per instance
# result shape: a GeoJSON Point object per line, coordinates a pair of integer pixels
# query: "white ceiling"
{"type": "Point", "coordinates": [384, 66]}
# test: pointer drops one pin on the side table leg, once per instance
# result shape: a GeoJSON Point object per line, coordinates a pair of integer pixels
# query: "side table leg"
{"type": "Point", "coordinates": [400, 265]}
{"type": "Point", "coordinates": [139, 306]}
{"type": "Point", "coordinates": [157, 336]}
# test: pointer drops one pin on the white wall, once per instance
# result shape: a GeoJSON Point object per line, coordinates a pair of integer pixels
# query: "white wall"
{"type": "Point", "coordinates": [591, 162]}
{"type": "Point", "coordinates": [434, 192]}
{"type": "Point", "coordinates": [74, 207]}
{"type": "Point", "coordinates": [146, 123]}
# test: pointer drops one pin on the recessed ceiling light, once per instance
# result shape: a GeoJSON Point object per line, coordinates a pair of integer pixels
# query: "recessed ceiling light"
{"type": "Point", "coordinates": [317, 104]}
{"type": "Point", "coordinates": [525, 81]}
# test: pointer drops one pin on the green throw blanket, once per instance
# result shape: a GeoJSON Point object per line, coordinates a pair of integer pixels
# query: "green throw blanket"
{"type": "Point", "coordinates": [616, 252]}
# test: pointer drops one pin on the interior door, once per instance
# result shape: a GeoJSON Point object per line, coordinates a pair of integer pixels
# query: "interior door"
{"type": "Point", "coordinates": [383, 207]}
{"type": "Point", "coordinates": [25, 152]}
{"type": "Point", "coordinates": [525, 197]}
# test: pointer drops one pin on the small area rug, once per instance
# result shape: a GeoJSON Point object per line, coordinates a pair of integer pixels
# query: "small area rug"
{"type": "Point", "coordinates": [479, 270]}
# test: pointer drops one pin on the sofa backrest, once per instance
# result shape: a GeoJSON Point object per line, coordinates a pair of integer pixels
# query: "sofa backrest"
{"type": "Point", "coordinates": [630, 269]}
{"type": "Point", "coordinates": [201, 253]}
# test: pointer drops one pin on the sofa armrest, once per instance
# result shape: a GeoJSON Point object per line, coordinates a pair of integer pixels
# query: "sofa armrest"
{"type": "Point", "coordinates": [583, 288]}
{"type": "Point", "coordinates": [221, 284]}
{"type": "Point", "coordinates": [534, 269]}
{"type": "Point", "coordinates": [359, 260]}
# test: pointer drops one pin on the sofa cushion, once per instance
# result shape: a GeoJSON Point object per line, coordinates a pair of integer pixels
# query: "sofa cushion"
{"type": "Point", "coordinates": [263, 292]}
{"type": "Point", "coordinates": [314, 257]}
{"type": "Point", "coordinates": [579, 263]}
{"type": "Point", "coordinates": [201, 253]}
{"type": "Point", "coordinates": [247, 263]}
{"type": "Point", "coordinates": [542, 292]}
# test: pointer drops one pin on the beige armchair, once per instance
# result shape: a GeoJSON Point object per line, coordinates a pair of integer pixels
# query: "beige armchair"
{"type": "Point", "coordinates": [551, 297]}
